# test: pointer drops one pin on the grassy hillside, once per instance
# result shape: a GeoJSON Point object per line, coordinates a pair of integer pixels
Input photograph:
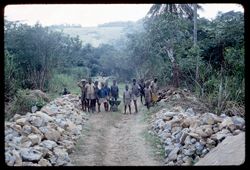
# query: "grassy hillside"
{"type": "Point", "coordinates": [104, 33]}
{"type": "Point", "coordinates": [95, 35]}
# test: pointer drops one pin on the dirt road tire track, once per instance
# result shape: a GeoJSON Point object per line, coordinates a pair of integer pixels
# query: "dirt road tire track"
{"type": "Point", "coordinates": [114, 139]}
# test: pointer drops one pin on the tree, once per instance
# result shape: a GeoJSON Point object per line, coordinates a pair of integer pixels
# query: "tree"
{"type": "Point", "coordinates": [195, 41]}
{"type": "Point", "coordinates": [179, 11]}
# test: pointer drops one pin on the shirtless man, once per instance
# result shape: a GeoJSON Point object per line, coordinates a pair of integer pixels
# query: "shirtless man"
{"type": "Point", "coordinates": [82, 84]}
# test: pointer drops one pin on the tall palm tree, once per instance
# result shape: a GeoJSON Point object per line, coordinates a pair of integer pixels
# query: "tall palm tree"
{"type": "Point", "coordinates": [195, 42]}
{"type": "Point", "coordinates": [182, 10]}
{"type": "Point", "coordinates": [188, 11]}
{"type": "Point", "coordinates": [195, 23]}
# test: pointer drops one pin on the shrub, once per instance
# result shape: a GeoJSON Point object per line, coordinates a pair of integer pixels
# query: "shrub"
{"type": "Point", "coordinates": [24, 100]}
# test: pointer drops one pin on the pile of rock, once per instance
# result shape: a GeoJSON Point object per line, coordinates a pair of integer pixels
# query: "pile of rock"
{"type": "Point", "coordinates": [183, 97]}
{"type": "Point", "coordinates": [188, 136]}
{"type": "Point", "coordinates": [46, 137]}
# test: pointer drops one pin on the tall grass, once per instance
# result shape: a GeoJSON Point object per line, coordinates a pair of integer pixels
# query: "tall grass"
{"type": "Point", "coordinates": [61, 81]}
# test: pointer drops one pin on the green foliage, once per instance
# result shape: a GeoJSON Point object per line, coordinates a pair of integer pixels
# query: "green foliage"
{"type": "Point", "coordinates": [220, 51]}
{"type": "Point", "coordinates": [23, 101]}
{"type": "Point", "coordinates": [61, 81]}
{"type": "Point", "coordinates": [161, 46]}
{"type": "Point", "coordinates": [34, 51]}
{"type": "Point", "coordinates": [10, 73]}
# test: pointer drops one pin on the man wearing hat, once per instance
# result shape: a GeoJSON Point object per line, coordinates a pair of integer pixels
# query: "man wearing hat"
{"type": "Point", "coordinates": [90, 95]}
{"type": "Point", "coordinates": [82, 84]}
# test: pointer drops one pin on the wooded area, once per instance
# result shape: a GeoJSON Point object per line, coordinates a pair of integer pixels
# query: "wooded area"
{"type": "Point", "coordinates": [207, 58]}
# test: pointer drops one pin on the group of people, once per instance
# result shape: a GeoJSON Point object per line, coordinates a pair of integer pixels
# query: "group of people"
{"type": "Point", "coordinates": [92, 95]}
{"type": "Point", "coordinates": [146, 90]}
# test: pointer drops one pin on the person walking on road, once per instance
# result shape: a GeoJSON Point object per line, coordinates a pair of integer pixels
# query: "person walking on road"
{"type": "Point", "coordinates": [135, 90]}
{"type": "Point", "coordinates": [127, 96]}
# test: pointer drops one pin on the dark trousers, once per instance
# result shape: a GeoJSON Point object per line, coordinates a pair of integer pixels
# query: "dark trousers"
{"type": "Point", "coordinates": [84, 104]}
{"type": "Point", "coordinates": [91, 104]}
{"type": "Point", "coordinates": [147, 104]}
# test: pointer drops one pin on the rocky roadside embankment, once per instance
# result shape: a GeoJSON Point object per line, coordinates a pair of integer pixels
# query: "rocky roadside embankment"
{"type": "Point", "coordinates": [230, 151]}
{"type": "Point", "coordinates": [46, 137]}
{"type": "Point", "coordinates": [188, 135]}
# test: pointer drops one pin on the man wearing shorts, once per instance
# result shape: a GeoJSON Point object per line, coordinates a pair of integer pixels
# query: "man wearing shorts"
{"type": "Point", "coordinates": [127, 99]}
{"type": "Point", "coordinates": [135, 90]}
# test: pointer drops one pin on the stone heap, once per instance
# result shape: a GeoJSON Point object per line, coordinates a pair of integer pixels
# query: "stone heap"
{"type": "Point", "coordinates": [187, 136]}
{"type": "Point", "coordinates": [46, 137]}
{"type": "Point", "coordinates": [182, 97]}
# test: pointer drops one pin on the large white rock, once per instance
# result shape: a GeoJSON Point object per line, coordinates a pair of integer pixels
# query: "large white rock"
{"type": "Point", "coordinates": [35, 130]}
{"type": "Point", "coordinates": [30, 164]}
{"type": "Point", "coordinates": [21, 121]}
{"type": "Point", "coordinates": [230, 151]}
{"type": "Point", "coordinates": [52, 134]}
{"type": "Point", "coordinates": [44, 116]}
{"type": "Point", "coordinates": [173, 154]}
{"type": "Point", "coordinates": [44, 162]}
{"type": "Point", "coordinates": [48, 144]}
{"type": "Point", "coordinates": [238, 121]}
{"type": "Point", "coordinates": [62, 157]}
{"type": "Point", "coordinates": [37, 121]}
{"type": "Point", "coordinates": [26, 144]}
{"type": "Point", "coordinates": [226, 123]}
{"type": "Point", "coordinates": [41, 149]}
{"type": "Point", "coordinates": [208, 118]}
{"type": "Point", "coordinates": [35, 139]}
{"type": "Point", "coordinates": [30, 154]}
{"type": "Point", "coordinates": [18, 159]}
{"type": "Point", "coordinates": [9, 158]}
{"type": "Point", "coordinates": [26, 130]}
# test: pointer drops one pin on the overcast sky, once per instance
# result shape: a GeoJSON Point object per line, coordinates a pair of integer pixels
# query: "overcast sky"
{"type": "Point", "coordinates": [92, 15]}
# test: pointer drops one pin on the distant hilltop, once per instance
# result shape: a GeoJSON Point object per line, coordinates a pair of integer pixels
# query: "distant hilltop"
{"type": "Point", "coordinates": [108, 24]}
{"type": "Point", "coordinates": [117, 24]}
{"type": "Point", "coordinates": [107, 33]}
{"type": "Point", "coordinates": [66, 26]}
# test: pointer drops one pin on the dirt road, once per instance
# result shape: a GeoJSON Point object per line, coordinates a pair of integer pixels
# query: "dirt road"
{"type": "Point", "coordinates": [114, 139]}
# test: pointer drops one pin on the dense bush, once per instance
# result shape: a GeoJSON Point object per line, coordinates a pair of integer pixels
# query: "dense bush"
{"type": "Point", "coordinates": [165, 49]}
{"type": "Point", "coordinates": [24, 100]}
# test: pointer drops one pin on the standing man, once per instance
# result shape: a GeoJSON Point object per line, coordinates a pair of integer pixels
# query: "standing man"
{"type": "Point", "coordinates": [90, 95]}
{"type": "Point", "coordinates": [148, 95]}
{"type": "Point", "coordinates": [154, 88]}
{"type": "Point", "coordinates": [114, 91]}
{"type": "Point", "coordinates": [127, 99]}
{"type": "Point", "coordinates": [102, 94]}
{"type": "Point", "coordinates": [135, 89]}
{"type": "Point", "coordinates": [142, 86]}
{"type": "Point", "coordinates": [96, 97]}
{"type": "Point", "coordinates": [82, 84]}
{"type": "Point", "coordinates": [106, 105]}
